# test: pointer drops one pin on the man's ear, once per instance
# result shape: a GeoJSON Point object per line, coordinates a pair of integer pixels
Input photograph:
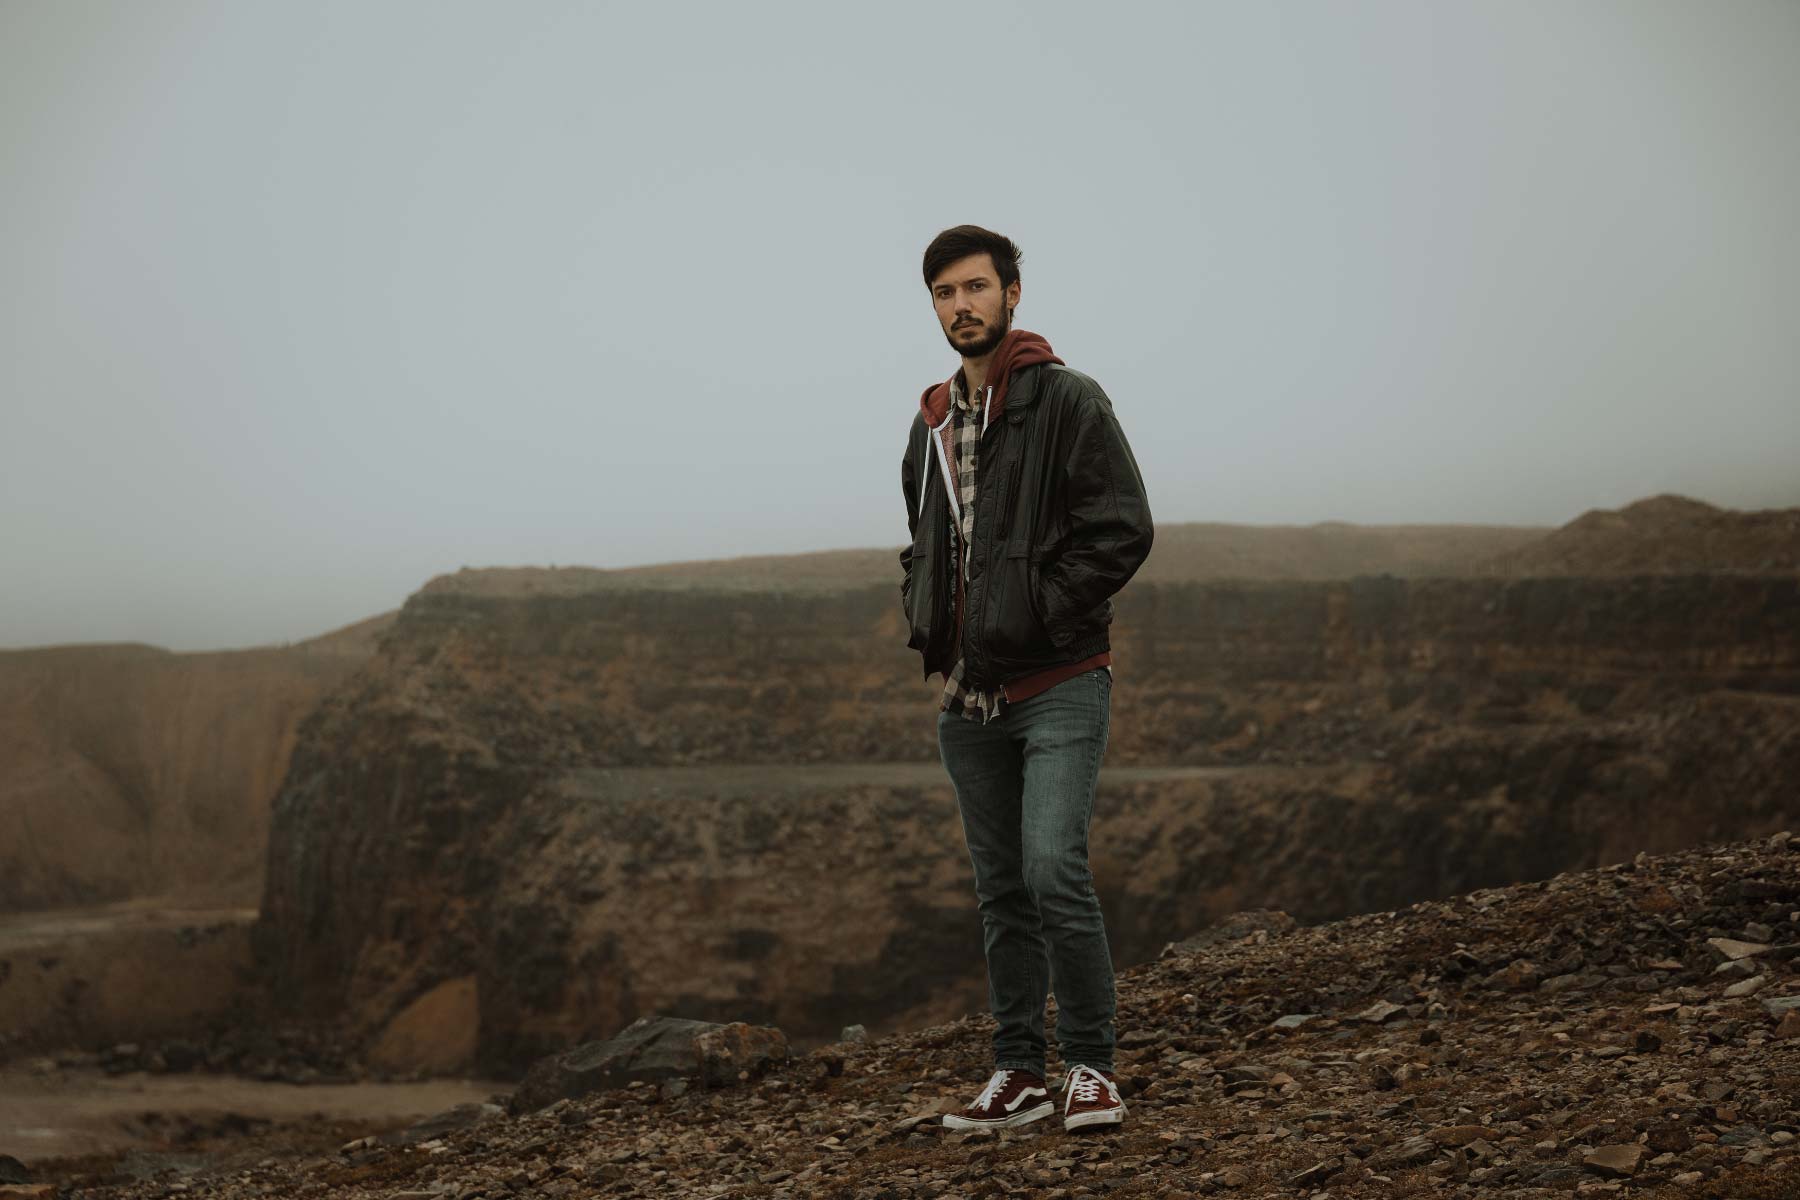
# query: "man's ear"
{"type": "Point", "coordinates": [1012, 295]}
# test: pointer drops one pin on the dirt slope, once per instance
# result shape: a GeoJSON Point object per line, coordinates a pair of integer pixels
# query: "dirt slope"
{"type": "Point", "coordinates": [1580, 1034]}
{"type": "Point", "coordinates": [129, 771]}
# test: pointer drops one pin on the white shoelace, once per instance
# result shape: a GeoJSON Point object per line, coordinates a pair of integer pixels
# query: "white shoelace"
{"type": "Point", "coordinates": [991, 1090]}
{"type": "Point", "coordinates": [1084, 1084]}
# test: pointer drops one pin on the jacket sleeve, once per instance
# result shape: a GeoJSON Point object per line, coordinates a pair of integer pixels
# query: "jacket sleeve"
{"type": "Point", "coordinates": [910, 489]}
{"type": "Point", "coordinates": [1110, 529]}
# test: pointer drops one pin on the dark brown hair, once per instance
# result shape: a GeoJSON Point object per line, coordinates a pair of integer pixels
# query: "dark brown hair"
{"type": "Point", "coordinates": [965, 240]}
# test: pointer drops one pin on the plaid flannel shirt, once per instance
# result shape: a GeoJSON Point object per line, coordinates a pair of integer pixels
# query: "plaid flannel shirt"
{"type": "Point", "coordinates": [965, 437]}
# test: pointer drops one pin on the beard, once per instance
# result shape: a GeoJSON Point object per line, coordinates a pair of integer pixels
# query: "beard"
{"type": "Point", "coordinates": [989, 339]}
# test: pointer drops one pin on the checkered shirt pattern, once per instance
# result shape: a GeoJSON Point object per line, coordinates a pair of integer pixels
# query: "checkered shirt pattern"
{"type": "Point", "coordinates": [965, 436]}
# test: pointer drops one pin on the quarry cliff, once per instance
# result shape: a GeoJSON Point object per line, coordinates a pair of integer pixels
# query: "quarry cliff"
{"type": "Point", "coordinates": [544, 809]}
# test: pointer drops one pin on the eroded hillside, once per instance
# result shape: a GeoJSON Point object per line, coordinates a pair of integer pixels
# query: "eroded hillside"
{"type": "Point", "coordinates": [570, 807]}
{"type": "Point", "coordinates": [128, 771]}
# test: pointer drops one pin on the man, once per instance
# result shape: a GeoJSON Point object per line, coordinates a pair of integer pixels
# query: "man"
{"type": "Point", "coordinates": [1027, 513]}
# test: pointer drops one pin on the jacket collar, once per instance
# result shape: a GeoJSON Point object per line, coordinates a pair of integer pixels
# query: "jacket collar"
{"type": "Point", "coordinates": [1018, 350]}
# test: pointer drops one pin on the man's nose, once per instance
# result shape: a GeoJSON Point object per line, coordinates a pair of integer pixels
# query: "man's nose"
{"type": "Point", "coordinates": [964, 302]}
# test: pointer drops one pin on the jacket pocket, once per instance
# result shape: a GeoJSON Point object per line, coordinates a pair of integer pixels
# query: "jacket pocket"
{"type": "Point", "coordinates": [1017, 635]}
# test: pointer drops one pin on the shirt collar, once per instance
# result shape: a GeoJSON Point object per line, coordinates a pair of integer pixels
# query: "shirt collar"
{"type": "Point", "coordinates": [958, 397]}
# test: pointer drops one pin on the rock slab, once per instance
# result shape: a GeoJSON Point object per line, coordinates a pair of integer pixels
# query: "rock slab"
{"type": "Point", "coordinates": [655, 1050]}
{"type": "Point", "coordinates": [1614, 1162]}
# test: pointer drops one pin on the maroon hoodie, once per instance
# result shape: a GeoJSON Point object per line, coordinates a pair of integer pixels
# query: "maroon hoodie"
{"type": "Point", "coordinates": [1019, 348]}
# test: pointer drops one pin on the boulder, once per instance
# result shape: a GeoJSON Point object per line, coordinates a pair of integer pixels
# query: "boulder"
{"type": "Point", "coordinates": [653, 1049]}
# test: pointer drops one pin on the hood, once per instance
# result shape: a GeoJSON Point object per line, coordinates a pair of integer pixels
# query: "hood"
{"type": "Point", "coordinates": [1019, 348]}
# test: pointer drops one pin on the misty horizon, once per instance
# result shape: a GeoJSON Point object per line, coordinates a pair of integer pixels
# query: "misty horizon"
{"type": "Point", "coordinates": [756, 556]}
{"type": "Point", "coordinates": [308, 305]}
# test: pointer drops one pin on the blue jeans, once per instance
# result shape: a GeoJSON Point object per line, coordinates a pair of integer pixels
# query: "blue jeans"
{"type": "Point", "coordinates": [1025, 788]}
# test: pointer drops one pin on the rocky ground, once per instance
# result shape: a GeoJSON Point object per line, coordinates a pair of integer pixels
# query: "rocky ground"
{"type": "Point", "coordinates": [1631, 1029]}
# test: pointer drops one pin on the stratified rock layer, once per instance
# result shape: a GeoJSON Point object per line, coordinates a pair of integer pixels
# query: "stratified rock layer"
{"type": "Point", "coordinates": [601, 804]}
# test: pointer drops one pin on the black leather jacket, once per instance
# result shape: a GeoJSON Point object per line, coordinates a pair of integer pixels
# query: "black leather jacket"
{"type": "Point", "coordinates": [1061, 523]}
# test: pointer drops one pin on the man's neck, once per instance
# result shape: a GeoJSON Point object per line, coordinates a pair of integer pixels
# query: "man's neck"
{"type": "Point", "coordinates": [975, 371]}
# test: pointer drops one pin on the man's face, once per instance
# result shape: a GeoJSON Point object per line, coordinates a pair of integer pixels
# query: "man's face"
{"type": "Point", "coordinates": [974, 310]}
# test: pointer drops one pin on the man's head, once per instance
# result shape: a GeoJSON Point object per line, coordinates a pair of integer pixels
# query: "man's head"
{"type": "Point", "coordinates": [973, 275]}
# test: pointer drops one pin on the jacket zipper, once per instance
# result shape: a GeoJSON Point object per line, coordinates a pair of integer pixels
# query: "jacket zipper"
{"type": "Point", "coordinates": [998, 511]}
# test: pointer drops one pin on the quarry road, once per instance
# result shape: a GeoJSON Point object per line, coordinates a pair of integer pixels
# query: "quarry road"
{"type": "Point", "coordinates": [24, 931]}
{"type": "Point", "coordinates": [66, 1113]}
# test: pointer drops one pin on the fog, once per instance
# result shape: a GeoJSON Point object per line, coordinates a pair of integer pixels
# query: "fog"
{"type": "Point", "coordinates": [305, 303]}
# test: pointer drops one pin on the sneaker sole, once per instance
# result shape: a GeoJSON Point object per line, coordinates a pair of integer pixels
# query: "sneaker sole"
{"type": "Point", "coordinates": [1098, 1117]}
{"type": "Point", "coordinates": [1024, 1116]}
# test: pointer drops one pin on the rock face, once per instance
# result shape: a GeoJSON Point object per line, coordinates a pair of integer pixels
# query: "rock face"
{"type": "Point", "coordinates": [596, 804]}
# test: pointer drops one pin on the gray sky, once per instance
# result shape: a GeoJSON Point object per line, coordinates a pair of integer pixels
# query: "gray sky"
{"type": "Point", "coordinates": [304, 303]}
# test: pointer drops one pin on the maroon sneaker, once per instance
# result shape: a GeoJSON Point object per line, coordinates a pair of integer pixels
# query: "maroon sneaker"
{"type": "Point", "coordinates": [1010, 1098]}
{"type": "Point", "coordinates": [1091, 1097]}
